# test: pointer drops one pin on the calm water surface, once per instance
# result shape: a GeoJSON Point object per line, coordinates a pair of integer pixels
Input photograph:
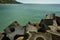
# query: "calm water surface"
{"type": "Point", "coordinates": [23, 13]}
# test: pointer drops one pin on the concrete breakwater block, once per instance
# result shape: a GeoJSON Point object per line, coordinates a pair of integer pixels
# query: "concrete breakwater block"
{"type": "Point", "coordinates": [55, 37]}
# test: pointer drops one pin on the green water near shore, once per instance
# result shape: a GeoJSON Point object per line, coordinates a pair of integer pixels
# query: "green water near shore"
{"type": "Point", "coordinates": [23, 13]}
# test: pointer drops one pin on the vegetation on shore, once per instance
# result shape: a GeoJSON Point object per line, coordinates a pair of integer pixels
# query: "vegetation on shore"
{"type": "Point", "coordinates": [9, 2]}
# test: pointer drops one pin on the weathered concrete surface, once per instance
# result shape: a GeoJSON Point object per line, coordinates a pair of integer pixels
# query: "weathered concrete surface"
{"type": "Point", "coordinates": [55, 37]}
{"type": "Point", "coordinates": [45, 36]}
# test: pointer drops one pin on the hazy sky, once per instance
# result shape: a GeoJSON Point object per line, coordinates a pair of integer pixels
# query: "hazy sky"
{"type": "Point", "coordinates": [40, 1]}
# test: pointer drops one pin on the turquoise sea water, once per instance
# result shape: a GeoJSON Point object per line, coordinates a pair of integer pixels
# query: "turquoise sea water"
{"type": "Point", "coordinates": [23, 13]}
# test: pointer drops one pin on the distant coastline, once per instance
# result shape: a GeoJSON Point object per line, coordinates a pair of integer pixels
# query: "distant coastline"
{"type": "Point", "coordinates": [9, 2]}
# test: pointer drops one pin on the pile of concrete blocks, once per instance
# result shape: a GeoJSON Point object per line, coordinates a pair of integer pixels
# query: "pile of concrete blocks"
{"type": "Point", "coordinates": [47, 29]}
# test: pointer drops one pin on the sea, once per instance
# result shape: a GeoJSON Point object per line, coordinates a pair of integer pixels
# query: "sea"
{"type": "Point", "coordinates": [24, 13]}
